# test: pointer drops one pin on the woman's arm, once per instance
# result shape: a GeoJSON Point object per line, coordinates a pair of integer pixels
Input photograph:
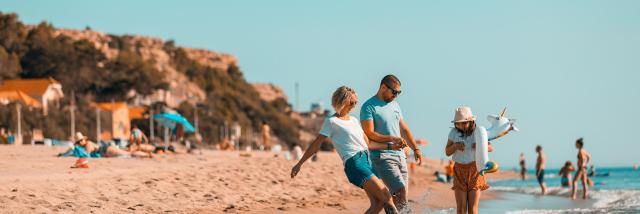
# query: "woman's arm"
{"type": "Point", "coordinates": [313, 148]}
{"type": "Point", "coordinates": [453, 147]}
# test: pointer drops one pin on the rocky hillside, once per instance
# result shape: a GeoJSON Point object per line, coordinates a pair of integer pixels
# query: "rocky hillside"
{"type": "Point", "coordinates": [141, 70]}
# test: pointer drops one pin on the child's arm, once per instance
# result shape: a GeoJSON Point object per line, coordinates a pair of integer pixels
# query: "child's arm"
{"type": "Point", "coordinates": [313, 148]}
{"type": "Point", "coordinates": [453, 147]}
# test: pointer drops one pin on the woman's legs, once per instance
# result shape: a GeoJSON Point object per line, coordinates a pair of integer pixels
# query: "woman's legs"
{"type": "Point", "coordinates": [461, 201]}
{"type": "Point", "coordinates": [580, 175]}
{"type": "Point", "coordinates": [378, 195]}
{"type": "Point", "coordinates": [473, 198]}
{"type": "Point", "coordinates": [585, 186]}
{"type": "Point", "coordinates": [573, 185]}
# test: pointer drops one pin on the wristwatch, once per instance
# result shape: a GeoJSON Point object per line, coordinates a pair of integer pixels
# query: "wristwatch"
{"type": "Point", "coordinates": [389, 146]}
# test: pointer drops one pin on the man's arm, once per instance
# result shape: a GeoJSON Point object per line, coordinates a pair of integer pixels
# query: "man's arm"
{"type": "Point", "coordinates": [404, 129]}
{"type": "Point", "coordinates": [367, 127]}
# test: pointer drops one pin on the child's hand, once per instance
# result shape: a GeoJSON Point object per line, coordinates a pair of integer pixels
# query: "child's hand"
{"type": "Point", "coordinates": [295, 170]}
{"type": "Point", "coordinates": [460, 146]}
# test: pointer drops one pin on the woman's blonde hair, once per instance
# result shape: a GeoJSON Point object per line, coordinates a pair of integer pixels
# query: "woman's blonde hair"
{"type": "Point", "coordinates": [342, 97]}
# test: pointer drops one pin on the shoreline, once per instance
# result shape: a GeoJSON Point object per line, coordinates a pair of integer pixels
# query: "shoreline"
{"type": "Point", "coordinates": [424, 192]}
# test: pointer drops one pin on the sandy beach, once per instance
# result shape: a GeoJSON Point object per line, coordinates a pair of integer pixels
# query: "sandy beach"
{"type": "Point", "coordinates": [35, 181]}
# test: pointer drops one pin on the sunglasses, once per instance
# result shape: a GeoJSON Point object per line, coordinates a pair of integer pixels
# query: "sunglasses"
{"type": "Point", "coordinates": [393, 91]}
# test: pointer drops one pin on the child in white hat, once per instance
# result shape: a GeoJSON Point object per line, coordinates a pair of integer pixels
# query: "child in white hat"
{"type": "Point", "coordinates": [467, 182]}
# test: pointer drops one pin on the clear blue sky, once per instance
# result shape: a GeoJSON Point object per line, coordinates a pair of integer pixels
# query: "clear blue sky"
{"type": "Point", "coordinates": [565, 69]}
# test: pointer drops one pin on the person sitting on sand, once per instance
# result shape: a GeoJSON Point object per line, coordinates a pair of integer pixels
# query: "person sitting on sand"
{"type": "Point", "coordinates": [138, 136]}
{"type": "Point", "coordinates": [353, 147]}
{"type": "Point", "coordinates": [3, 136]}
{"type": "Point", "coordinates": [139, 144]}
{"type": "Point", "coordinates": [461, 143]}
{"type": "Point", "coordinates": [581, 174]}
{"type": "Point", "coordinates": [440, 177]}
{"type": "Point", "coordinates": [565, 174]}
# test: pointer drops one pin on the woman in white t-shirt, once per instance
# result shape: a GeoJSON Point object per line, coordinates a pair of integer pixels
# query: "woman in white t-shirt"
{"type": "Point", "coordinates": [353, 147]}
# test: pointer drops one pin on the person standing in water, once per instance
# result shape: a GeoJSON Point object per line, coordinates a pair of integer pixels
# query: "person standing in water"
{"type": "Point", "coordinates": [382, 121]}
{"type": "Point", "coordinates": [583, 160]}
{"type": "Point", "coordinates": [461, 144]}
{"type": "Point", "coordinates": [540, 169]}
{"type": "Point", "coordinates": [523, 167]}
{"type": "Point", "coordinates": [353, 147]}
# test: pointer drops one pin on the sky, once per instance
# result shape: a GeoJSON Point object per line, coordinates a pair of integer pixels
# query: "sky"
{"type": "Point", "coordinates": [564, 69]}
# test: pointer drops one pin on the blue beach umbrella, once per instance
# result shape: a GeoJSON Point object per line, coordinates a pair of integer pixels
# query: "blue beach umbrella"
{"type": "Point", "coordinates": [170, 120]}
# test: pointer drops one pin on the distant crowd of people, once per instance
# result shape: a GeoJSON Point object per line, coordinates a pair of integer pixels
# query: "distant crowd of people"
{"type": "Point", "coordinates": [581, 173]}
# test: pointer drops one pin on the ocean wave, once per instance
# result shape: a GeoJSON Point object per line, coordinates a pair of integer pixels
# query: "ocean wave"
{"type": "Point", "coordinates": [608, 201]}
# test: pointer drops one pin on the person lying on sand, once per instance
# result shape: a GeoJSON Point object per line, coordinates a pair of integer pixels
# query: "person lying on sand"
{"type": "Point", "coordinates": [84, 148]}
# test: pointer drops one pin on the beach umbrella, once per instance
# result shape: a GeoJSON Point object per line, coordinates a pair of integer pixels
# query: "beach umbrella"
{"type": "Point", "coordinates": [170, 120]}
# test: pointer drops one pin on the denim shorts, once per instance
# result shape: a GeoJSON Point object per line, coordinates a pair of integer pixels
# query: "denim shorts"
{"type": "Point", "coordinates": [391, 167]}
{"type": "Point", "coordinates": [358, 168]}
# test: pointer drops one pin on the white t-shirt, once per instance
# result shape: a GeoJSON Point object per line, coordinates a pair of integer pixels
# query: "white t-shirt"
{"type": "Point", "coordinates": [469, 153]}
{"type": "Point", "coordinates": [347, 136]}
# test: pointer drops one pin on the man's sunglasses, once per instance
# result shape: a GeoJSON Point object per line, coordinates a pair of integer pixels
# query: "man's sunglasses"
{"type": "Point", "coordinates": [393, 91]}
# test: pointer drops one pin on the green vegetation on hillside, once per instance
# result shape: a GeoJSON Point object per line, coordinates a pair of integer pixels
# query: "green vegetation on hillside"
{"type": "Point", "coordinates": [36, 52]}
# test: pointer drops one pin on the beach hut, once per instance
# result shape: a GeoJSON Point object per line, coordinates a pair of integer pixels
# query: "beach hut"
{"type": "Point", "coordinates": [119, 120]}
{"type": "Point", "coordinates": [45, 91]}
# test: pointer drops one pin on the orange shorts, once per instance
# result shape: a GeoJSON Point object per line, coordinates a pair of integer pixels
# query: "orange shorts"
{"type": "Point", "coordinates": [467, 178]}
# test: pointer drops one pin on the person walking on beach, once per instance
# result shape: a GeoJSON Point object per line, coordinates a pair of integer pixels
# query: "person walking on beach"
{"type": "Point", "coordinates": [523, 167]}
{"type": "Point", "coordinates": [266, 135]}
{"type": "Point", "coordinates": [565, 174]}
{"type": "Point", "coordinates": [467, 182]}
{"type": "Point", "coordinates": [382, 121]}
{"type": "Point", "coordinates": [581, 173]}
{"type": "Point", "coordinates": [353, 147]}
{"type": "Point", "coordinates": [540, 169]}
